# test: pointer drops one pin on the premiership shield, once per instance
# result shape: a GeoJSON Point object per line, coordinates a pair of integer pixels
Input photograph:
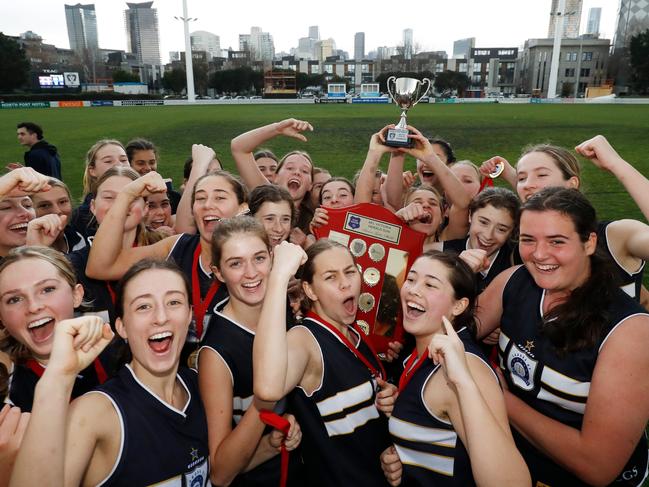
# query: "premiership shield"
{"type": "Point", "coordinates": [384, 248]}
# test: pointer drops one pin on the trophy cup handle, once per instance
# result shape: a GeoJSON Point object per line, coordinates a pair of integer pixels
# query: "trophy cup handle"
{"type": "Point", "coordinates": [425, 80]}
{"type": "Point", "coordinates": [387, 83]}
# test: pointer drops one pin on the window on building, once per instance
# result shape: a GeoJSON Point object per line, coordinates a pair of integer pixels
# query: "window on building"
{"type": "Point", "coordinates": [586, 56]}
{"type": "Point", "coordinates": [365, 68]}
{"type": "Point", "coordinates": [476, 79]}
{"type": "Point", "coordinates": [585, 72]}
{"type": "Point", "coordinates": [315, 69]}
{"type": "Point", "coordinates": [571, 56]}
{"type": "Point", "coordinates": [570, 73]}
{"type": "Point", "coordinates": [477, 67]}
{"type": "Point", "coordinates": [351, 68]}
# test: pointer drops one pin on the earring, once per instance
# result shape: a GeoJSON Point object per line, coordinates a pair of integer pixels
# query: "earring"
{"type": "Point", "coordinates": [126, 340]}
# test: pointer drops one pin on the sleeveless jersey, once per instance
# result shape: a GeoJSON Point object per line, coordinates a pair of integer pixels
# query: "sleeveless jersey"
{"type": "Point", "coordinates": [161, 445]}
{"type": "Point", "coordinates": [631, 282]}
{"type": "Point", "coordinates": [97, 294]}
{"type": "Point", "coordinates": [502, 261]}
{"type": "Point", "coordinates": [343, 432]}
{"type": "Point", "coordinates": [555, 386]}
{"type": "Point", "coordinates": [182, 253]}
{"type": "Point", "coordinates": [232, 342]}
{"type": "Point", "coordinates": [429, 448]}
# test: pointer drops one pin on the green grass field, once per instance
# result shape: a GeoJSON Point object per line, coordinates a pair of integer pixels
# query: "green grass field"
{"type": "Point", "coordinates": [342, 133]}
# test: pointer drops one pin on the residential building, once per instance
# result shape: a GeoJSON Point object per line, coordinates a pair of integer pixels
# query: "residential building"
{"type": "Point", "coordinates": [571, 18]}
{"type": "Point", "coordinates": [493, 69]}
{"type": "Point", "coordinates": [385, 52]}
{"type": "Point", "coordinates": [462, 48]}
{"type": "Point", "coordinates": [583, 62]}
{"type": "Point", "coordinates": [142, 33]}
{"type": "Point", "coordinates": [306, 48]}
{"type": "Point", "coordinates": [206, 41]}
{"type": "Point", "coordinates": [82, 29]}
{"type": "Point", "coordinates": [324, 48]}
{"type": "Point", "coordinates": [594, 16]}
{"type": "Point", "coordinates": [359, 46]}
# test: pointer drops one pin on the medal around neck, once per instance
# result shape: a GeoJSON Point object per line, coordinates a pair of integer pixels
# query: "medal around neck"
{"type": "Point", "coordinates": [406, 93]}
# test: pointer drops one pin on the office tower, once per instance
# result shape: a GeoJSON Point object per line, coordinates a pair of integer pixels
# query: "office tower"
{"type": "Point", "coordinates": [462, 48]}
{"type": "Point", "coordinates": [408, 48]}
{"type": "Point", "coordinates": [324, 49]}
{"type": "Point", "coordinates": [82, 28]}
{"type": "Point", "coordinates": [259, 43]}
{"type": "Point", "coordinates": [633, 17]}
{"type": "Point", "coordinates": [142, 33]}
{"type": "Point", "coordinates": [314, 32]}
{"type": "Point", "coordinates": [244, 42]}
{"type": "Point", "coordinates": [594, 16]}
{"type": "Point", "coordinates": [206, 41]}
{"type": "Point", "coordinates": [359, 46]}
{"type": "Point", "coordinates": [571, 17]}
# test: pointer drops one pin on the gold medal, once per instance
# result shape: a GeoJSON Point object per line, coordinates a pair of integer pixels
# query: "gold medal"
{"type": "Point", "coordinates": [357, 247]}
{"type": "Point", "coordinates": [371, 276]}
{"type": "Point", "coordinates": [364, 326]}
{"type": "Point", "coordinates": [376, 252]}
{"type": "Point", "coordinates": [366, 302]}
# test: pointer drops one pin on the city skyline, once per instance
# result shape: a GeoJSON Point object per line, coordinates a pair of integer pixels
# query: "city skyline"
{"type": "Point", "coordinates": [524, 19]}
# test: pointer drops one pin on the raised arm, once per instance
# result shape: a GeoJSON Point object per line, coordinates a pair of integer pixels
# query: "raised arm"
{"type": "Point", "coordinates": [201, 158]}
{"type": "Point", "coordinates": [243, 146]}
{"type": "Point", "coordinates": [42, 456]}
{"type": "Point", "coordinates": [508, 174]}
{"type": "Point", "coordinates": [23, 181]}
{"type": "Point", "coordinates": [394, 181]}
{"type": "Point", "coordinates": [477, 411]}
{"type": "Point", "coordinates": [108, 260]}
{"type": "Point", "coordinates": [367, 176]}
{"type": "Point", "coordinates": [603, 155]}
{"type": "Point", "coordinates": [598, 452]}
{"type": "Point", "coordinates": [277, 366]}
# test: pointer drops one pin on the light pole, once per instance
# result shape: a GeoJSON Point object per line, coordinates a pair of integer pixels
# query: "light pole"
{"type": "Point", "coordinates": [559, 16]}
{"type": "Point", "coordinates": [189, 69]}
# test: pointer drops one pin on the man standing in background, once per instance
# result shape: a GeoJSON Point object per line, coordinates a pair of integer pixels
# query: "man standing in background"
{"type": "Point", "coordinates": [41, 156]}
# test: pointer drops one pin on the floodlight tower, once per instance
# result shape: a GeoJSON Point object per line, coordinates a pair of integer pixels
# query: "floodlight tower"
{"type": "Point", "coordinates": [189, 69]}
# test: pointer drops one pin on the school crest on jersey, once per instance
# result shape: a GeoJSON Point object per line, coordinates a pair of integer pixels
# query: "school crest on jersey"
{"type": "Point", "coordinates": [522, 368]}
{"type": "Point", "coordinates": [199, 476]}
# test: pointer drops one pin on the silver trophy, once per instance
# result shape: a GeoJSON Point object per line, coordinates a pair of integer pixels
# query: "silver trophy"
{"type": "Point", "coordinates": [407, 92]}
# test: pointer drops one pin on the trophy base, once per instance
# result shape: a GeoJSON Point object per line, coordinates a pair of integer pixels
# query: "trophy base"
{"type": "Point", "coordinates": [398, 138]}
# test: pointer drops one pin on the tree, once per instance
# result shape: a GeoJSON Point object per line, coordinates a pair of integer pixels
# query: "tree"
{"type": "Point", "coordinates": [14, 66]}
{"type": "Point", "coordinates": [448, 82]}
{"type": "Point", "coordinates": [639, 50]}
{"type": "Point", "coordinates": [200, 77]}
{"type": "Point", "coordinates": [121, 76]}
{"type": "Point", "coordinates": [382, 78]}
{"type": "Point", "coordinates": [175, 80]}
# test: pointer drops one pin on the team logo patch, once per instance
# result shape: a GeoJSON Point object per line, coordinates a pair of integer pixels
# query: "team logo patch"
{"type": "Point", "coordinates": [521, 368]}
{"type": "Point", "coordinates": [198, 477]}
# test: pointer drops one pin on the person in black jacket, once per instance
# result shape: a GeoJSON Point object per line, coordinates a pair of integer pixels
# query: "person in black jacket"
{"type": "Point", "coordinates": [41, 156]}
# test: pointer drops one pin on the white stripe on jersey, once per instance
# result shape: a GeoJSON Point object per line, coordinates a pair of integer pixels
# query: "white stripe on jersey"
{"type": "Point", "coordinates": [503, 341]}
{"type": "Point", "coordinates": [429, 461]}
{"type": "Point", "coordinates": [413, 432]}
{"type": "Point", "coordinates": [568, 385]}
{"type": "Point", "coordinates": [346, 399]}
{"type": "Point", "coordinates": [546, 395]}
{"type": "Point", "coordinates": [240, 404]}
{"type": "Point", "coordinates": [349, 423]}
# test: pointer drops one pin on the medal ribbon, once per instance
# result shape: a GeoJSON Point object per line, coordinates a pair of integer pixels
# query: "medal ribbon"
{"type": "Point", "coordinates": [279, 423]}
{"type": "Point", "coordinates": [375, 372]}
{"type": "Point", "coordinates": [487, 181]}
{"type": "Point", "coordinates": [38, 369]}
{"type": "Point", "coordinates": [200, 306]}
{"type": "Point", "coordinates": [410, 368]}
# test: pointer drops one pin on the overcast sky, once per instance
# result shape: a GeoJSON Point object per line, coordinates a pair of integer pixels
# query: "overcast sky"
{"type": "Point", "coordinates": [435, 24]}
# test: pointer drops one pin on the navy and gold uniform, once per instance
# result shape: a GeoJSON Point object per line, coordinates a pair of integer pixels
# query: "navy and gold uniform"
{"type": "Point", "coordinates": [555, 386]}
{"type": "Point", "coordinates": [343, 432]}
{"type": "Point", "coordinates": [161, 445]}
{"type": "Point", "coordinates": [630, 282]}
{"type": "Point", "coordinates": [429, 448]}
{"type": "Point", "coordinates": [182, 253]}
{"type": "Point", "coordinates": [232, 342]}
{"type": "Point", "coordinates": [503, 260]}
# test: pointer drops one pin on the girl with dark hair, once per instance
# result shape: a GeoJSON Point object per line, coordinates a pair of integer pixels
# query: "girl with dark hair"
{"type": "Point", "coordinates": [145, 426]}
{"type": "Point", "coordinates": [570, 341]}
{"type": "Point", "coordinates": [242, 452]}
{"type": "Point", "coordinates": [326, 364]}
{"type": "Point", "coordinates": [449, 423]}
{"type": "Point", "coordinates": [215, 196]}
{"type": "Point", "coordinates": [142, 156]}
{"type": "Point", "coordinates": [267, 163]}
{"type": "Point", "coordinates": [273, 207]}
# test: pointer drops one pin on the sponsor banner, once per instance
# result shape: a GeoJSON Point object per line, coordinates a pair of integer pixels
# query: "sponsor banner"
{"type": "Point", "coordinates": [370, 100]}
{"type": "Point", "coordinates": [26, 104]}
{"type": "Point", "coordinates": [101, 103]}
{"type": "Point", "coordinates": [126, 103]}
{"type": "Point", "coordinates": [332, 100]}
{"type": "Point", "coordinates": [71, 80]}
{"type": "Point", "coordinates": [445, 100]}
{"type": "Point", "coordinates": [70, 104]}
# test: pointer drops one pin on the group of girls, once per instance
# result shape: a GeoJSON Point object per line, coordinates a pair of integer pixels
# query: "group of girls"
{"type": "Point", "coordinates": [107, 305]}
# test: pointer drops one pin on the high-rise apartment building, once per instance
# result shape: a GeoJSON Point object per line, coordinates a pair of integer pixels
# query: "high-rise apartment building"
{"type": "Point", "coordinates": [632, 18]}
{"type": "Point", "coordinates": [314, 32]}
{"type": "Point", "coordinates": [260, 44]}
{"type": "Point", "coordinates": [571, 17]}
{"type": "Point", "coordinates": [324, 48]}
{"type": "Point", "coordinates": [408, 46]}
{"type": "Point", "coordinates": [82, 29]}
{"type": "Point", "coordinates": [359, 46]}
{"type": "Point", "coordinates": [462, 48]}
{"type": "Point", "coordinates": [594, 16]}
{"type": "Point", "coordinates": [142, 33]}
{"type": "Point", "coordinates": [206, 41]}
